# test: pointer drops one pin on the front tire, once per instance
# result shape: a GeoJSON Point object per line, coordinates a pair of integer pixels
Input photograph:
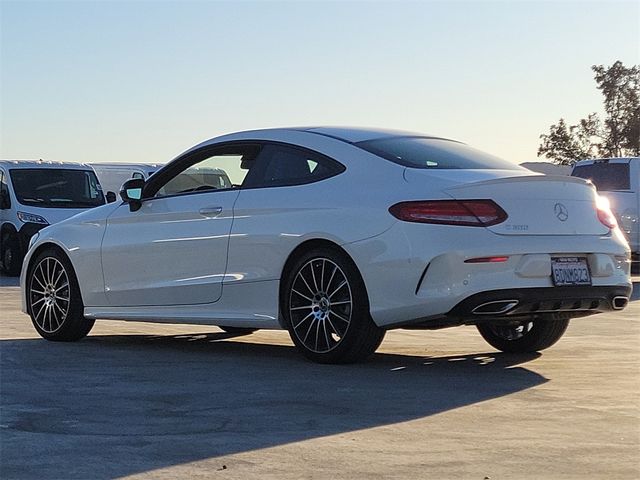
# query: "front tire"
{"type": "Point", "coordinates": [525, 336]}
{"type": "Point", "coordinates": [12, 255]}
{"type": "Point", "coordinates": [326, 309]}
{"type": "Point", "coordinates": [53, 298]}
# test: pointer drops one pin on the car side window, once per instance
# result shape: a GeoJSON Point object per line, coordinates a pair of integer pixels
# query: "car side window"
{"type": "Point", "coordinates": [282, 165]}
{"type": "Point", "coordinates": [208, 169]}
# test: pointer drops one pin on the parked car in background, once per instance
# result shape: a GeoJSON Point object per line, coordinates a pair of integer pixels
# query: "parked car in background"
{"type": "Point", "coordinates": [34, 194]}
{"type": "Point", "coordinates": [618, 179]}
{"type": "Point", "coordinates": [113, 175]}
{"type": "Point", "coordinates": [336, 235]}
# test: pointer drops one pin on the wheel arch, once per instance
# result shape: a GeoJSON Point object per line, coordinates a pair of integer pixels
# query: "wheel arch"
{"type": "Point", "coordinates": [41, 248]}
{"type": "Point", "coordinates": [299, 251]}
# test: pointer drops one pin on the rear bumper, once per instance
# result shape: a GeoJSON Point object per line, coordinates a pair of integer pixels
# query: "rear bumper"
{"type": "Point", "coordinates": [525, 302]}
{"type": "Point", "coordinates": [416, 274]}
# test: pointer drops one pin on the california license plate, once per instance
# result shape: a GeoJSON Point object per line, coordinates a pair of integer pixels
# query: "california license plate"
{"type": "Point", "coordinates": [570, 271]}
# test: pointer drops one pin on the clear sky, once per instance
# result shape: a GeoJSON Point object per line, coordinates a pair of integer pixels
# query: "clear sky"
{"type": "Point", "coordinates": [143, 81]}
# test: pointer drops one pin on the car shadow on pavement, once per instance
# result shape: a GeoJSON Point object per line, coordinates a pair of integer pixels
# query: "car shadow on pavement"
{"type": "Point", "coordinates": [111, 406]}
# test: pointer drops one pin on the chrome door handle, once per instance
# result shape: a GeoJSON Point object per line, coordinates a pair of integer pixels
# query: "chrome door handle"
{"type": "Point", "coordinates": [210, 211]}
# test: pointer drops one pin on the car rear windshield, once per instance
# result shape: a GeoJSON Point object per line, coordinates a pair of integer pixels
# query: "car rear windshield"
{"type": "Point", "coordinates": [606, 176]}
{"type": "Point", "coordinates": [56, 188]}
{"type": "Point", "coordinates": [422, 152]}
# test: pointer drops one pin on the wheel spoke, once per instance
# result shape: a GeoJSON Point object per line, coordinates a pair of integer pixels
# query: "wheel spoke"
{"type": "Point", "coordinates": [331, 312]}
{"type": "Point", "coordinates": [41, 299]}
{"type": "Point", "coordinates": [302, 307]}
{"type": "Point", "coordinates": [48, 315]}
{"type": "Point", "coordinates": [333, 327]}
{"type": "Point", "coordinates": [55, 282]}
{"type": "Point", "coordinates": [63, 312]}
{"type": "Point", "coordinates": [341, 303]}
{"type": "Point", "coordinates": [344, 282]}
{"type": "Point", "coordinates": [302, 321]}
{"type": "Point", "coordinates": [317, 333]}
{"type": "Point", "coordinates": [39, 312]}
{"type": "Point", "coordinates": [326, 337]}
{"type": "Point", "coordinates": [35, 277]}
{"type": "Point", "coordinates": [48, 272]}
{"type": "Point", "coordinates": [306, 284]}
{"type": "Point", "coordinates": [313, 276]}
{"type": "Point", "coordinates": [41, 292]}
{"type": "Point", "coordinates": [308, 332]}
{"type": "Point", "coordinates": [335, 269]}
{"type": "Point", "coordinates": [303, 296]}
{"type": "Point", "coordinates": [322, 275]}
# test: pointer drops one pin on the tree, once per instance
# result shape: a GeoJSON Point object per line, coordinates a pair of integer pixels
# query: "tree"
{"type": "Point", "coordinates": [618, 135]}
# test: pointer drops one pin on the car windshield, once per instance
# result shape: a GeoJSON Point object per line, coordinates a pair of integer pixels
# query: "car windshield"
{"type": "Point", "coordinates": [606, 176]}
{"type": "Point", "coordinates": [422, 152]}
{"type": "Point", "coordinates": [56, 188]}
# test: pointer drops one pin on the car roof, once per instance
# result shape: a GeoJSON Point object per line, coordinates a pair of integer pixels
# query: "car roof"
{"type": "Point", "coordinates": [17, 164]}
{"type": "Point", "coordinates": [360, 134]}
{"type": "Point", "coordinates": [344, 134]}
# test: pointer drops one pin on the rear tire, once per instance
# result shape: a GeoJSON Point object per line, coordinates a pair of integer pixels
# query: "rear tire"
{"type": "Point", "coordinates": [522, 337]}
{"type": "Point", "coordinates": [54, 302]}
{"type": "Point", "coordinates": [326, 308]}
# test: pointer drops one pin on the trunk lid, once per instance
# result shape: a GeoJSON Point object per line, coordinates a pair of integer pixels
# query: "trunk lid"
{"type": "Point", "coordinates": [535, 204]}
{"type": "Point", "coordinates": [539, 205]}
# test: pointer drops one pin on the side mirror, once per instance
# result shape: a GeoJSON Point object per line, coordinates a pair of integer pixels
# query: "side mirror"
{"type": "Point", "coordinates": [111, 197]}
{"type": "Point", "coordinates": [131, 193]}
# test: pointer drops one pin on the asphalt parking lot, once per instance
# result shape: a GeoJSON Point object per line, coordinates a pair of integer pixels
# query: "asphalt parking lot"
{"type": "Point", "coordinates": [162, 401]}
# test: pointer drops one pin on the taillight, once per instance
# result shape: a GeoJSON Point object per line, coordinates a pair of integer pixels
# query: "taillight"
{"type": "Point", "coordinates": [487, 259]}
{"type": "Point", "coordinates": [470, 213]}
{"type": "Point", "coordinates": [605, 215]}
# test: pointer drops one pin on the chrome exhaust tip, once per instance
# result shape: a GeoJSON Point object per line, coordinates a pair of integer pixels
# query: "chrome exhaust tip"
{"type": "Point", "coordinates": [620, 302]}
{"type": "Point", "coordinates": [497, 307]}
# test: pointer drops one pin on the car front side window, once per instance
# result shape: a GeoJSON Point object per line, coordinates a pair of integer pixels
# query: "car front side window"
{"type": "Point", "coordinates": [208, 169]}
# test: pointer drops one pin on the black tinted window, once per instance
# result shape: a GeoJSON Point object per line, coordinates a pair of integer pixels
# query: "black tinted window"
{"type": "Point", "coordinates": [56, 188]}
{"type": "Point", "coordinates": [420, 152]}
{"type": "Point", "coordinates": [605, 176]}
{"type": "Point", "coordinates": [280, 165]}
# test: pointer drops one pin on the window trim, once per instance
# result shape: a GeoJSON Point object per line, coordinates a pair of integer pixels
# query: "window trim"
{"type": "Point", "coordinates": [160, 175]}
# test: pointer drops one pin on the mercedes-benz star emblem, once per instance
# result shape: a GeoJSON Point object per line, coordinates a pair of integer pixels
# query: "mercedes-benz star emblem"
{"type": "Point", "coordinates": [561, 212]}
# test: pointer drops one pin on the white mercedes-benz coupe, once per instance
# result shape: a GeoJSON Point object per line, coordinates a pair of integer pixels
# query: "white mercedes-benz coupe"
{"type": "Point", "coordinates": [337, 235]}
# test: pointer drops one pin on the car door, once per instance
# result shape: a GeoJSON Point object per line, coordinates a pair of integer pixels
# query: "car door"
{"type": "Point", "coordinates": [284, 199]}
{"type": "Point", "coordinates": [173, 249]}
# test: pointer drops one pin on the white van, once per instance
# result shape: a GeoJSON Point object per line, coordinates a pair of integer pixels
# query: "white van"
{"type": "Point", "coordinates": [618, 179]}
{"type": "Point", "coordinates": [113, 175]}
{"type": "Point", "coordinates": [34, 194]}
